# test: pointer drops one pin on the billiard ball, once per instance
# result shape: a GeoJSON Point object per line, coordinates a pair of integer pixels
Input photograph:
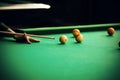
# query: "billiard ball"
{"type": "Point", "coordinates": [111, 31]}
{"type": "Point", "coordinates": [76, 32]}
{"type": "Point", "coordinates": [63, 39]}
{"type": "Point", "coordinates": [79, 38]}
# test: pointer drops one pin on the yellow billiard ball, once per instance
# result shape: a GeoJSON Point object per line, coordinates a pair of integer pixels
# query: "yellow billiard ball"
{"type": "Point", "coordinates": [79, 38]}
{"type": "Point", "coordinates": [111, 31]}
{"type": "Point", "coordinates": [63, 39]}
{"type": "Point", "coordinates": [76, 32]}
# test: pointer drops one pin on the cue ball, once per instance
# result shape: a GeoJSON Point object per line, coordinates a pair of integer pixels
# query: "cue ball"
{"type": "Point", "coordinates": [76, 32]}
{"type": "Point", "coordinates": [79, 38]}
{"type": "Point", "coordinates": [63, 39]}
{"type": "Point", "coordinates": [111, 31]}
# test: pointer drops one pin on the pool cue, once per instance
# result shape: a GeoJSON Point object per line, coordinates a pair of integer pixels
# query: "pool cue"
{"type": "Point", "coordinates": [32, 35]}
{"type": "Point", "coordinates": [7, 27]}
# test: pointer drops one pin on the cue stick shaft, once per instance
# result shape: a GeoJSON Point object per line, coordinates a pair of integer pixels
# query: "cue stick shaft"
{"type": "Point", "coordinates": [7, 27]}
{"type": "Point", "coordinates": [32, 35]}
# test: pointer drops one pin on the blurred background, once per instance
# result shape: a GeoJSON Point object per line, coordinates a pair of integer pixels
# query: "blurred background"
{"type": "Point", "coordinates": [61, 13]}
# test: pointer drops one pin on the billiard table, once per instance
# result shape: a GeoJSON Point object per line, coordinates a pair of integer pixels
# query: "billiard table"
{"type": "Point", "coordinates": [97, 57]}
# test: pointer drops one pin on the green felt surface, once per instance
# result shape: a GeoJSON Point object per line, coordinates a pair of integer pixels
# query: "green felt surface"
{"type": "Point", "coordinates": [96, 58]}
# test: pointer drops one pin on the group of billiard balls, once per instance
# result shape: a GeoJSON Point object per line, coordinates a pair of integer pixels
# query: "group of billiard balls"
{"type": "Point", "coordinates": [77, 35]}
